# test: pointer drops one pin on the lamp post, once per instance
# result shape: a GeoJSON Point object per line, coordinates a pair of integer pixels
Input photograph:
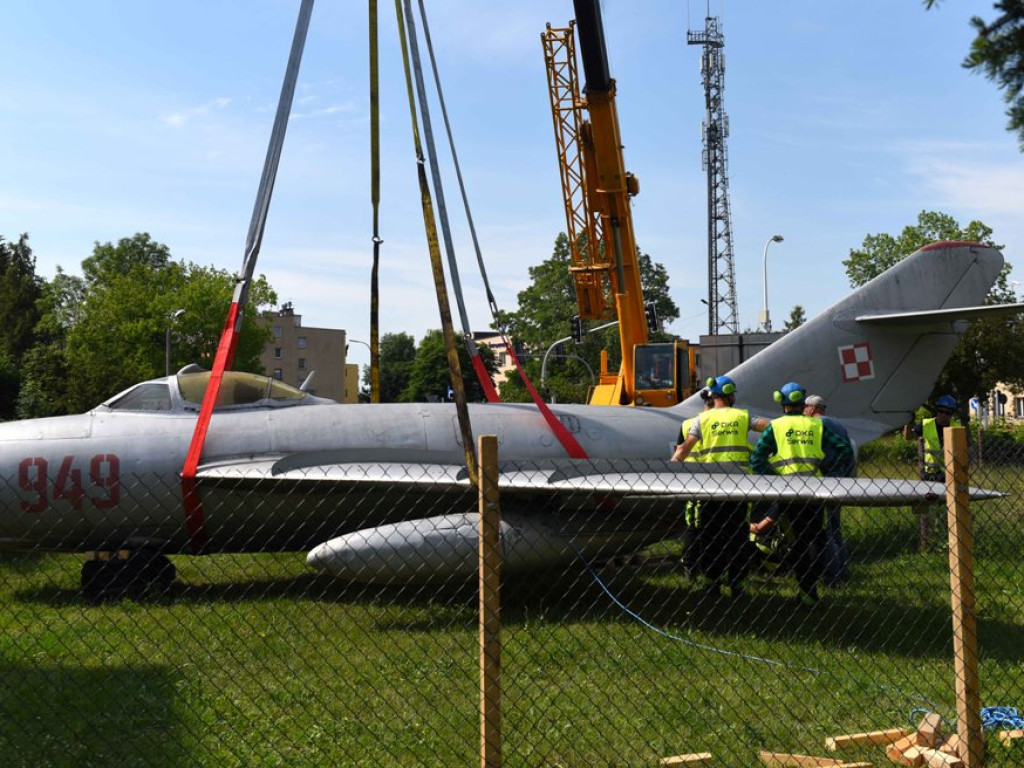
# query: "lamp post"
{"type": "Point", "coordinates": [167, 344]}
{"type": "Point", "coordinates": [765, 319]}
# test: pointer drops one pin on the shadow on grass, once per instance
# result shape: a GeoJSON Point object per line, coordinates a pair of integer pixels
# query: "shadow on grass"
{"type": "Point", "coordinates": [60, 715]}
{"type": "Point", "coordinates": [850, 619]}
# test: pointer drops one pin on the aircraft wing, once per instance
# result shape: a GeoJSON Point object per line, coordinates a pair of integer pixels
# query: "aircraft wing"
{"type": "Point", "coordinates": [617, 478]}
{"type": "Point", "coordinates": [941, 315]}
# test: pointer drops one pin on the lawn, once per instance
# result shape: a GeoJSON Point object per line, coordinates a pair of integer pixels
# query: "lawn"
{"type": "Point", "coordinates": [253, 660]}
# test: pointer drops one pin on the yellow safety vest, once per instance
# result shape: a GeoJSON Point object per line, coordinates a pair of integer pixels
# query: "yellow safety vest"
{"type": "Point", "coordinates": [694, 454]}
{"type": "Point", "coordinates": [724, 438]}
{"type": "Point", "coordinates": [798, 441]}
{"type": "Point", "coordinates": [934, 461]}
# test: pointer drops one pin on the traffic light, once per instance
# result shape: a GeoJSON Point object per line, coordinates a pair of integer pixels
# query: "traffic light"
{"type": "Point", "coordinates": [577, 328]}
{"type": "Point", "coordinates": [651, 313]}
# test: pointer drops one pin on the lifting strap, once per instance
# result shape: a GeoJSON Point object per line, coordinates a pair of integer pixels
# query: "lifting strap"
{"type": "Point", "coordinates": [194, 516]}
{"type": "Point", "coordinates": [571, 445]}
{"type": "Point", "coordinates": [442, 208]}
{"type": "Point", "coordinates": [375, 202]}
{"type": "Point", "coordinates": [454, 368]}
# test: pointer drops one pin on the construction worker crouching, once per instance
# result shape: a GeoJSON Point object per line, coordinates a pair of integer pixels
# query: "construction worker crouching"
{"type": "Point", "coordinates": [721, 433]}
{"type": "Point", "coordinates": [795, 444]}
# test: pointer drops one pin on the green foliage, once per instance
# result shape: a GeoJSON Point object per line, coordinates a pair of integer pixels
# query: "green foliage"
{"type": "Point", "coordinates": [397, 354]}
{"type": "Point", "coordinates": [797, 317]}
{"type": "Point", "coordinates": [20, 289]}
{"type": "Point", "coordinates": [10, 382]}
{"type": "Point", "coordinates": [998, 53]}
{"type": "Point", "coordinates": [545, 310]}
{"type": "Point", "coordinates": [881, 251]}
{"type": "Point", "coordinates": [429, 376]}
{"type": "Point", "coordinates": [991, 351]}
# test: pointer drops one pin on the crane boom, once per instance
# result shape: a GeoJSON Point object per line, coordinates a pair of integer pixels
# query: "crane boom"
{"type": "Point", "coordinates": [597, 190]}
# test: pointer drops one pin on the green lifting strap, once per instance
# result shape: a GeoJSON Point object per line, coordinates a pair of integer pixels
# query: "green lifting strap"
{"type": "Point", "coordinates": [375, 202]}
{"type": "Point", "coordinates": [454, 368]}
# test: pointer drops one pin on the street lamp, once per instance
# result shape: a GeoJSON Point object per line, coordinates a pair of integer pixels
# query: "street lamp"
{"type": "Point", "coordinates": [765, 318]}
{"type": "Point", "coordinates": [167, 346]}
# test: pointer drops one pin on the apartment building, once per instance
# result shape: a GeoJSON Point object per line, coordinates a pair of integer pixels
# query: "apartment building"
{"type": "Point", "coordinates": [296, 351]}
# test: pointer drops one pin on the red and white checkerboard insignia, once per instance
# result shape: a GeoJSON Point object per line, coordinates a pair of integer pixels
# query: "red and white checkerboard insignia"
{"type": "Point", "coordinates": [856, 363]}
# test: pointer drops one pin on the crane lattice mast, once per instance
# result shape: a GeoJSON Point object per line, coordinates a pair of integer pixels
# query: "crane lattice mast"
{"type": "Point", "coordinates": [723, 314]}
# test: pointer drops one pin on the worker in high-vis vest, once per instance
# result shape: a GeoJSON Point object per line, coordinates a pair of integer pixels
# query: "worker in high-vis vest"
{"type": "Point", "coordinates": [721, 434]}
{"type": "Point", "coordinates": [931, 431]}
{"type": "Point", "coordinates": [691, 562]}
{"type": "Point", "coordinates": [796, 445]}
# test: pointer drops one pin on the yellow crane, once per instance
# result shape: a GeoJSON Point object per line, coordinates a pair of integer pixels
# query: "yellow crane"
{"type": "Point", "coordinates": [597, 190]}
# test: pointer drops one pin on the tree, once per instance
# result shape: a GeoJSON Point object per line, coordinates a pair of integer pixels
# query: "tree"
{"type": "Point", "coordinates": [397, 354]}
{"type": "Point", "coordinates": [20, 289]}
{"type": "Point", "coordinates": [797, 317]}
{"type": "Point", "coordinates": [998, 52]}
{"type": "Point", "coordinates": [991, 351]}
{"type": "Point", "coordinates": [546, 307]}
{"type": "Point", "coordinates": [106, 331]}
{"type": "Point", "coordinates": [430, 377]}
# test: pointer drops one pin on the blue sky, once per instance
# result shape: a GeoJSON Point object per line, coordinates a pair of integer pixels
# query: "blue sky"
{"type": "Point", "coordinates": [846, 119]}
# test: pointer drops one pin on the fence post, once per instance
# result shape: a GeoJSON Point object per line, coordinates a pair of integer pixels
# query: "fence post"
{"type": "Point", "coordinates": [961, 579]}
{"type": "Point", "coordinates": [490, 604]}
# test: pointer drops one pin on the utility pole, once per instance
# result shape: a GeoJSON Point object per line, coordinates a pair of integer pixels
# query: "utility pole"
{"type": "Point", "coordinates": [723, 315]}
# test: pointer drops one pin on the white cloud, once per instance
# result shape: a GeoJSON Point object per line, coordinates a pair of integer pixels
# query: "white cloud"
{"type": "Point", "coordinates": [178, 119]}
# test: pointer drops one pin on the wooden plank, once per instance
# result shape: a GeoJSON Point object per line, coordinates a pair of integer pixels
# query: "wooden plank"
{"type": "Point", "coordinates": [929, 732]}
{"type": "Point", "coordinates": [833, 743]}
{"type": "Point", "coordinates": [961, 579]}
{"type": "Point", "coordinates": [864, 764]}
{"type": "Point", "coordinates": [799, 761]}
{"type": "Point", "coordinates": [933, 758]}
{"type": "Point", "coordinates": [905, 751]}
{"type": "Point", "coordinates": [490, 604]}
{"type": "Point", "coordinates": [1008, 737]}
{"type": "Point", "coordinates": [694, 758]}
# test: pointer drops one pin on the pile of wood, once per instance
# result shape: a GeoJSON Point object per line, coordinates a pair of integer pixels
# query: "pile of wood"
{"type": "Point", "coordinates": [927, 746]}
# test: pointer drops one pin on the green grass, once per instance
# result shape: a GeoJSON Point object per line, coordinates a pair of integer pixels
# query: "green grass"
{"type": "Point", "coordinates": [252, 660]}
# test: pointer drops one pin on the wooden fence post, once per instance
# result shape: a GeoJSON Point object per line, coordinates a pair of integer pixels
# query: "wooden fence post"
{"type": "Point", "coordinates": [961, 578]}
{"type": "Point", "coordinates": [490, 604]}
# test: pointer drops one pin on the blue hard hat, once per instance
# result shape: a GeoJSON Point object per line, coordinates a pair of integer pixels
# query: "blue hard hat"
{"type": "Point", "coordinates": [948, 402]}
{"type": "Point", "coordinates": [790, 394]}
{"type": "Point", "coordinates": [722, 385]}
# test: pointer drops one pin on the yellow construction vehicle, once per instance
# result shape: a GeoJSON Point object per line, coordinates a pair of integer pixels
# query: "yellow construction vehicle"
{"type": "Point", "coordinates": [597, 190]}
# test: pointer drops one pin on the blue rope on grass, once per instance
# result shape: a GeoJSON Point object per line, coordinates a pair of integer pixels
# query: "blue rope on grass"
{"type": "Point", "coordinates": [604, 588]}
{"type": "Point", "coordinates": [992, 718]}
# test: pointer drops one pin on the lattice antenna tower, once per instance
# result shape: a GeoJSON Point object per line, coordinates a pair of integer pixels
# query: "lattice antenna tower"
{"type": "Point", "coordinates": [723, 314]}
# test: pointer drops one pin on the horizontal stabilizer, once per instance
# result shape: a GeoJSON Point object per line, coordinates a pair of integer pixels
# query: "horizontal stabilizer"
{"type": "Point", "coordinates": [942, 315]}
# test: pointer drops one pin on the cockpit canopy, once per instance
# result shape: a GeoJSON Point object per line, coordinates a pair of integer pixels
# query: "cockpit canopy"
{"type": "Point", "coordinates": [237, 389]}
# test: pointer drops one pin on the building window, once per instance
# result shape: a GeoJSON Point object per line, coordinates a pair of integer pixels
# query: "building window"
{"type": "Point", "coordinates": [302, 363]}
{"type": "Point", "coordinates": [302, 342]}
{"type": "Point", "coordinates": [1018, 407]}
{"type": "Point", "coordinates": [277, 353]}
{"type": "Point", "coordinates": [278, 374]}
{"type": "Point", "coordinates": [277, 331]}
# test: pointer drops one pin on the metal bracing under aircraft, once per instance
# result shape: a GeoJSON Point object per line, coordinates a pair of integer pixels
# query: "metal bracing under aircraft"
{"type": "Point", "coordinates": [379, 492]}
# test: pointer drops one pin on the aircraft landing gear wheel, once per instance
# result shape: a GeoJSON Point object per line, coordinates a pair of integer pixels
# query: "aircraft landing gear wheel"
{"type": "Point", "coordinates": [133, 574]}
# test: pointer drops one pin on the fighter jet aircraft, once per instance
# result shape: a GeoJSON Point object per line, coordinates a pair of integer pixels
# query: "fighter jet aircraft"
{"type": "Point", "coordinates": [379, 492]}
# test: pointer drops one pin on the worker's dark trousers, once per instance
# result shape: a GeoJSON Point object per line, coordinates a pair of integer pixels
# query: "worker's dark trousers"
{"type": "Point", "coordinates": [722, 541]}
{"type": "Point", "coordinates": [808, 525]}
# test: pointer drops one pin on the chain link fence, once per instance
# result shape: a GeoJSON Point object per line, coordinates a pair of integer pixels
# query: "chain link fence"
{"type": "Point", "coordinates": [617, 650]}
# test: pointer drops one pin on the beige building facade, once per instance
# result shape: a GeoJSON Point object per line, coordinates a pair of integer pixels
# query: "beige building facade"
{"type": "Point", "coordinates": [296, 351]}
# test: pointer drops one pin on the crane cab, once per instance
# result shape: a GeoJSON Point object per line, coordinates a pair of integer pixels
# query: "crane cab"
{"type": "Point", "coordinates": [664, 374]}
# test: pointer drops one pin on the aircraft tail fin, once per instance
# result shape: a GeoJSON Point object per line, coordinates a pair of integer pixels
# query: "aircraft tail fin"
{"type": "Point", "coordinates": [876, 354]}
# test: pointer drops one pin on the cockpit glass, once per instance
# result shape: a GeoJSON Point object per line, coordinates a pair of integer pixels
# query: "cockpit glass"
{"type": "Point", "coordinates": [151, 396]}
{"type": "Point", "coordinates": [237, 388]}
